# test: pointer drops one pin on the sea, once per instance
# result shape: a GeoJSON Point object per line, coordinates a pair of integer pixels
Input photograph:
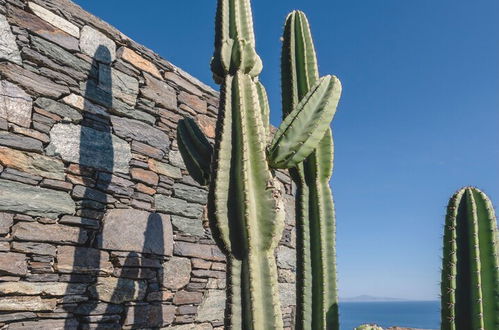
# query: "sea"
{"type": "Point", "coordinates": [410, 314]}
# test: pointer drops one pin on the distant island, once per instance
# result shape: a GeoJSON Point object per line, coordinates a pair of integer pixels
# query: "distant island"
{"type": "Point", "coordinates": [366, 298]}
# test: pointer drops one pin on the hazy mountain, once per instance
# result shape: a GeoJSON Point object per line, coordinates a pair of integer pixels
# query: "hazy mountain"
{"type": "Point", "coordinates": [366, 298]}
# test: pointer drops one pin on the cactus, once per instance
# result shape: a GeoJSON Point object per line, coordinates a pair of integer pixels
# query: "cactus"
{"type": "Point", "coordinates": [317, 301]}
{"type": "Point", "coordinates": [470, 275]}
{"type": "Point", "coordinates": [244, 206]}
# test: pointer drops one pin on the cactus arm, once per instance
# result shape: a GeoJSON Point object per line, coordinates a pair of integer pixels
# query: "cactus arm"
{"type": "Point", "coordinates": [264, 105]}
{"type": "Point", "coordinates": [301, 131]}
{"type": "Point", "coordinates": [470, 279]}
{"type": "Point", "coordinates": [195, 149]}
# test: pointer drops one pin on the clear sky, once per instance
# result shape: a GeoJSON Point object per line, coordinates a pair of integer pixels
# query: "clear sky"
{"type": "Point", "coordinates": [418, 119]}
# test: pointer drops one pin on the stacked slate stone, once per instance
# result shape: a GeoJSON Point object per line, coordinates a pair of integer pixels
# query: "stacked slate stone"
{"type": "Point", "coordinates": [100, 224]}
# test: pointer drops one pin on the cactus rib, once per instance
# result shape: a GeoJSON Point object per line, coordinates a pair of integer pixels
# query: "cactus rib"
{"type": "Point", "coordinates": [470, 275]}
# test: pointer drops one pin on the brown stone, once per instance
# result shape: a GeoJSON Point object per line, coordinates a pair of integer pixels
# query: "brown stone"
{"type": "Point", "coordinates": [32, 163]}
{"type": "Point", "coordinates": [165, 169]}
{"type": "Point", "coordinates": [34, 83]}
{"type": "Point", "coordinates": [56, 184]}
{"type": "Point", "coordinates": [13, 264]}
{"type": "Point", "coordinates": [145, 189]}
{"type": "Point", "coordinates": [202, 251]}
{"type": "Point", "coordinates": [203, 273]}
{"type": "Point", "coordinates": [160, 296]}
{"type": "Point", "coordinates": [30, 304]}
{"type": "Point", "coordinates": [193, 102]}
{"type": "Point", "coordinates": [147, 150]}
{"type": "Point", "coordinates": [200, 263]}
{"type": "Point", "coordinates": [159, 92]}
{"type": "Point", "coordinates": [37, 232]}
{"type": "Point", "coordinates": [147, 177]}
{"type": "Point", "coordinates": [207, 125]}
{"type": "Point", "coordinates": [72, 259]}
{"type": "Point", "coordinates": [54, 19]}
{"type": "Point", "coordinates": [42, 28]}
{"type": "Point", "coordinates": [41, 288]}
{"type": "Point", "coordinates": [30, 132]}
{"type": "Point", "coordinates": [177, 273]}
{"type": "Point", "coordinates": [6, 221]}
{"type": "Point", "coordinates": [137, 231]}
{"type": "Point", "coordinates": [186, 297]}
{"type": "Point", "coordinates": [119, 290]}
{"type": "Point", "coordinates": [34, 248]}
{"type": "Point", "coordinates": [150, 315]}
{"type": "Point", "coordinates": [138, 61]}
{"type": "Point", "coordinates": [182, 83]}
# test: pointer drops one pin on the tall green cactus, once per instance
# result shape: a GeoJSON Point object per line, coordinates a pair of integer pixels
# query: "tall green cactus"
{"type": "Point", "coordinates": [317, 300]}
{"type": "Point", "coordinates": [470, 275]}
{"type": "Point", "coordinates": [244, 206]}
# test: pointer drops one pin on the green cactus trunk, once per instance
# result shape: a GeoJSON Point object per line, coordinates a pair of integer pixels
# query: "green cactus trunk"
{"type": "Point", "coordinates": [470, 275]}
{"type": "Point", "coordinates": [317, 302]}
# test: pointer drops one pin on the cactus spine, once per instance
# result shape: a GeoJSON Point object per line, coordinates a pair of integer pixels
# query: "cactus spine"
{"type": "Point", "coordinates": [470, 275]}
{"type": "Point", "coordinates": [317, 301]}
{"type": "Point", "coordinates": [244, 206]}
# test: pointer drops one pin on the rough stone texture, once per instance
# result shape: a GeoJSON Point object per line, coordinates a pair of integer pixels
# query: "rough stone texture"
{"type": "Point", "coordinates": [37, 232]}
{"type": "Point", "coordinates": [8, 46]}
{"type": "Point", "coordinates": [190, 193]}
{"type": "Point", "coordinates": [139, 131]}
{"type": "Point", "coordinates": [118, 84]}
{"type": "Point", "coordinates": [92, 43]}
{"type": "Point", "coordinates": [83, 260]}
{"type": "Point", "coordinates": [138, 61]}
{"type": "Point", "coordinates": [77, 144]}
{"type": "Point", "coordinates": [165, 169]}
{"type": "Point", "coordinates": [286, 257]}
{"type": "Point", "coordinates": [20, 142]}
{"type": "Point", "coordinates": [34, 248]}
{"type": "Point", "coordinates": [30, 304]}
{"type": "Point", "coordinates": [207, 252]}
{"type": "Point", "coordinates": [6, 221]}
{"type": "Point", "coordinates": [177, 206]}
{"type": "Point", "coordinates": [189, 226]}
{"type": "Point", "coordinates": [287, 294]}
{"type": "Point", "coordinates": [13, 264]}
{"type": "Point", "coordinates": [119, 290]}
{"type": "Point", "coordinates": [32, 163]}
{"type": "Point", "coordinates": [34, 83]}
{"type": "Point", "coordinates": [59, 109]}
{"type": "Point", "coordinates": [177, 273]}
{"type": "Point", "coordinates": [55, 20]}
{"type": "Point", "coordinates": [15, 104]}
{"type": "Point", "coordinates": [41, 288]}
{"type": "Point", "coordinates": [79, 102]}
{"type": "Point", "coordinates": [22, 198]}
{"type": "Point", "coordinates": [159, 92]}
{"type": "Point", "coordinates": [212, 308]}
{"type": "Point", "coordinates": [137, 231]}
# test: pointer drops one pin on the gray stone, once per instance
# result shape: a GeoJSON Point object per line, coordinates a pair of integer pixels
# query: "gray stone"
{"type": "Point", "coordinates": [96, 45]}
{"type": "Point", "coordinates": [6, 221]}
{"type": "Point", "coordinates": [189, 226]}
{"type": "Point", "coordinates": [42, 28]}
{"type": "Point", "coordinates": [32, 163]}
{"type": "Point", "coordinates": [63, 110]}
{"type": "Point", "coordinates": [286, 257]}
{"type": "Point", "coordinates": [61, 56]}
{"type": "Point", "coordinates": [177, 206]}
{"type": "Point", "coordinates": [136, 130]}
{"type": "Point", "coordinates": [79, 221]}
{"type": "Point", "coordinates": [176, 159]}
{"type": "Point", "coordinates": [201, 251]}
{"type": "Point", "coordinates": [98, 309]}
{"type": "Point", "coordinates": [150, 315]}
{"type": "Point", "coordinates": [82, 192]}
{"type": "Point", "coordinates": [179, 79]}
{"type": "Point", "coordinates": [52, 233]}
{"type": "Point", "coordinates": [137, 231]}
{"type": "Point", "coordinates": [176, 273]}
{"type": "Point", "coordinates": [287, 294]}
{"type": "Point", "coordinates": [16, 316]}
{"type": "Point", "coordinates": [15, 104]}
{"type": "Point", "coordinates": [34, 248]}
{"type": "Point", "coordinates": [190, 193]}
{"type": "Point", "coordinates": [119, 290]}
{"type": "Point", "coordinates": [118, 84]}
{"type": "Point", "coordinates": [159, 92]}
{"type": "Point", "coordinates": [204, 326]}
{"type": "Point", "coordinates": [31, 81]}
{"type": "Point", "coordinates": [213, 307]}
{"type": "Point", "coordinates": [42, 288]}
{"type": "Point", "coordinates": [115, 184]}
{"type": "Point", "coordinates": [8, 47]}
{"type": "Point", "coordinates": [35, 201]}
{"type": "Point", "coordinates": [81, 103]}
{"type": "Point", "coordinates": [164, 169]}
{"type": "Point", "coordinates": [89, 147]}
{"type": "Point", "coordinates": [26, 303]}
{"type": "Point", "coordinates": [55, 20]}
{"type": "Point", "coordinates": [20, 142]}
{"type": "Point", "coordinates": [82, 260]}
{"type": "Point", "coordinates": [13, 264]}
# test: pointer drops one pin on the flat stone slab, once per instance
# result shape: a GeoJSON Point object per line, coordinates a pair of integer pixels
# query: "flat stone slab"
{"type": "Point", "coordinates": [32, 163]}
{"type": "Point", "coordinates": [83, 260]}
{"type": "Point", "coordinates": [139, 131]}
{"type": "Point", "coordinates": [13, 264]}
{"type": "Point", "coordinates": [15, 104]}
{"type": "Point", "coordinates": [54, 19]}
{"type": "Point", "coordinates": [35, 201]}
{"type": "Point", "coordinates": [96, 45]}
{"type": "Point", "coordinates": [52, 233]}
{"type": "Point", "coordinates": [119, 290]}
{"type": "Point", "coordinates": [8, 47]}
{"type": "Point", "coordinates": [213, 306]}
{"type": "Point", "coordinates": [177, 206]}
{"type": "Point", "coordinates": [137, 231]}
{"type": "Point", "coordinates": [41, 288]}
{"type": "Point", "coordinates": [89, 147]}
{"type": "Point", "coordinates": [26, 303]}
{"type": "Point", "coordinates": [177, 273]}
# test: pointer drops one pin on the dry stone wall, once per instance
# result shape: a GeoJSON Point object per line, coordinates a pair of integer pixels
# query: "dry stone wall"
{"type": "Point", "coordinates": [100, 225]}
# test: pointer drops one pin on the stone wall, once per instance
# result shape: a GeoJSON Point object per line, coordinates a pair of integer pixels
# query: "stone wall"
{"type": "Point", "coordinates": [100, 224]}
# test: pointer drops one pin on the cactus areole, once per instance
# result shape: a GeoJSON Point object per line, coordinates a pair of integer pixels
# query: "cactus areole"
{"type": "Point", "coordinates": [244, 206]}
{"type": "Point", "coordinates": [470, 273]}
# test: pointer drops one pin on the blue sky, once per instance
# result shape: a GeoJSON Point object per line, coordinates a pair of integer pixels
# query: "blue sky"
{"type": "Point", "coordinates": [418, 119]}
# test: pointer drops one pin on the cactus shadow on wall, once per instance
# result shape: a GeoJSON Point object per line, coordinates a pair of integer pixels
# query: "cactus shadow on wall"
{"type": "Point", "coordinates": [96, 162]}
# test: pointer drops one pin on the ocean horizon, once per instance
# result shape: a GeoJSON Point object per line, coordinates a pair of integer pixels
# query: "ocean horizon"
{"type": "Point", "coordinates": [410, 314]}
